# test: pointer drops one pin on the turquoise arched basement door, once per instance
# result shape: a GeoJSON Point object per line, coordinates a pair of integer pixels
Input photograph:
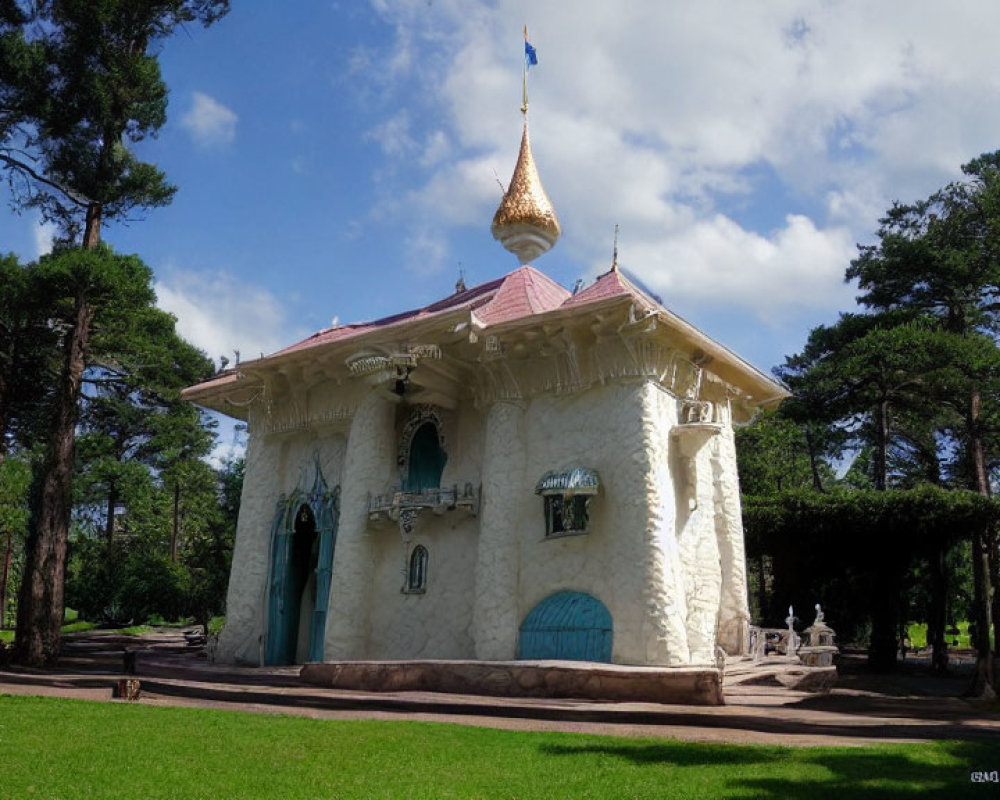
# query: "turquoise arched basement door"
{"type": "Point", "coordinates": [567, 625]}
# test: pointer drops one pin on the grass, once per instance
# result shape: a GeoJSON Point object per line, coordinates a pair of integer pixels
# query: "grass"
{"type": "Point", "coordinates": [917, 632]}
{"type": "Point", "coordinates": [73, 624]}
{"type": "Point", "coordinates": [159, 622]}
{"type": "Point", "coordinates": [52, 748]}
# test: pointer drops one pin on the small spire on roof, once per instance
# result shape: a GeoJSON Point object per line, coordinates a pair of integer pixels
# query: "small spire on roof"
{"type": "Point", "coordinates": [460, 283]}
{"type": "Point", "coordinates": [614, 255]}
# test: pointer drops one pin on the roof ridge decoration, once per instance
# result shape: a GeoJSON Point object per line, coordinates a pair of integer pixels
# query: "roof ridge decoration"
{"type": "Point", "coordinates": [526, 223]}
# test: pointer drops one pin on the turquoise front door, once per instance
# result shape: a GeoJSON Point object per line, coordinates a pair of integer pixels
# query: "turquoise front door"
{"type": "Point", "coordinates": [303, 544]}
{"type": "Point", "coordinates": [567, 625]}
{"type": "Point", "coordinates": [295, 551]}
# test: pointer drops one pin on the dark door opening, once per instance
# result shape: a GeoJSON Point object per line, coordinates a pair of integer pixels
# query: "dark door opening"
{"type": "Point", "coordinates": [427, 459]}
{"type": "Point", "coordinates": [293, 590]}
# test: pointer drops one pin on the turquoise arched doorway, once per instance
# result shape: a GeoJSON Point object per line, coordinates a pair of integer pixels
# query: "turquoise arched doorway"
{"type": "Point", "coordinates": [567, 625]}
{"type": "Point", "coordinates": [303, 541]}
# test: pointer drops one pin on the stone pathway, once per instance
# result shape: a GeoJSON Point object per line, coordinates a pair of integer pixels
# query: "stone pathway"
{"type": "Point", "coordinates": [861, 709]}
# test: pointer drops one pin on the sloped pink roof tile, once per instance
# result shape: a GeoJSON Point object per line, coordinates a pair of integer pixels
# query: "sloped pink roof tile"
{"type": "Point", "coordinates": [610, 284]}
{"type": "Point", "coordinates": [472, 298]}
{"type": "Point", "coordinates": [524, 292]}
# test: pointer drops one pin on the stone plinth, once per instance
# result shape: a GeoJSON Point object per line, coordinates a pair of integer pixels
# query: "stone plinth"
{"type": "Point", "coordinates": [609, 682]}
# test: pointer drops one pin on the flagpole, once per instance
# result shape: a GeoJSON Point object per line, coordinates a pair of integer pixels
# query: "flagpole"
{"type": "Point", "coordinates": [524, 78]}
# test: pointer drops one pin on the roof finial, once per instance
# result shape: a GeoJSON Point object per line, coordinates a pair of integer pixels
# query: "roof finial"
{"type": "Point", "coordinates": [614, 255]}
{"type": "Point", "coordinates": [460, 283]}
{"type": "Point", "coordinates": [525, 223]}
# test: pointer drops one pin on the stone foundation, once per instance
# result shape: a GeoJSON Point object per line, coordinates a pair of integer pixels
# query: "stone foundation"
{"type": "Point", "coordinates": [607, 682]}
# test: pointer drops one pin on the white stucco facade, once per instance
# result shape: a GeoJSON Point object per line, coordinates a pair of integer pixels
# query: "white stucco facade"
{"type": "Point", "coordinates": [613, 386]}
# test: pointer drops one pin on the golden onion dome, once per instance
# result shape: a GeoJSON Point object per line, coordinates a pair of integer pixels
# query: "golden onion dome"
{"type": "Point", "coordinates": [526, 223]}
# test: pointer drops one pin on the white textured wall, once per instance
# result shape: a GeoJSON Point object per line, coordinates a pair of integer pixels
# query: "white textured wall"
{"type": "Point", "coordinates": [496, 614]}
{"type": "Point", "coordinates": [247, 594]}
{"type": "Point", "coordinates": [699, 555]}
{"type": "Point", "coordinates": [368, 464]}
{"type": "Point", "coordinates": [620, 430]}
{"type": "Point", "coordinates": [436, 623]}
{"type": "Point", "coordinates": [734, 612]}
{"type": "Point", "coordinates": [664, 552]}
{"type": "Point", "coordinates": [665, 600]}
{"type": "Point", "coordinates": [276, 464]}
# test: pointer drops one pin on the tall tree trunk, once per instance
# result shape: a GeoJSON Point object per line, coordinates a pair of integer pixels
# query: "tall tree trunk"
{"type": "Point", "coordinates": [3, 418]}
{"type": "Point", "coordinates": [938, 611]}
{"type": "Point", "coordinates": [993, 560]}
{"type": "Point", "coordinates": [884, 605]}
{"type": "Point", "coordinates": [109, 524]}
{"type": "Point", "coordinates": [813, 460]}
{"type": "Point", "coordinates": [41, 601]}
{"type": "Point", "coordinates": [880, 457]}
{"type": "Point", "coordinates": [175, 532]}
{"type": "Point", "coordinates": [761, 587]}
{"type": "Point", "coordinates": [984, 681]}
{"type": "Point", "coordinates": [92, 225]}
{"type": "Point", "coordinates": [8, 554]}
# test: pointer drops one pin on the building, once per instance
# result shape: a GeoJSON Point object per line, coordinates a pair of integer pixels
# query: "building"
{"type": "Point", "coordinates": [515, 471]}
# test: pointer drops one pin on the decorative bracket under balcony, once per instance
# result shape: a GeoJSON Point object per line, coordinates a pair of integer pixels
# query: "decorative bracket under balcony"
{"type": "Point", "coordinates": [696, 425]}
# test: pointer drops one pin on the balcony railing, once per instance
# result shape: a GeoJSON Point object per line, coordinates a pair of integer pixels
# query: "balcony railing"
{"type": "Point", "coordinates": [439, 500]}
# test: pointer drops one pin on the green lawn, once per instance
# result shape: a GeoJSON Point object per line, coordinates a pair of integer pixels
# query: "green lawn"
{"type": "Point", "coordinates": [917, 631]}
{"type": "Point", "coordinates": [73, 624]}
{"type": "Point", "coordinates": [53, 748]}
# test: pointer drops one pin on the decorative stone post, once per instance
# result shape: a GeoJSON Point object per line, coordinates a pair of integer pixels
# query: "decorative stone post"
{"type": "Point", "coordinates": [367, 464]}
{"type": "Point", "coordinates": [495, 614]}
{"type": "Point", "coordinates": [696, 535]}
{"type": "Point", "coordinates": [663, 600]}
{"type": "Point", "coordinates": [734, 608]}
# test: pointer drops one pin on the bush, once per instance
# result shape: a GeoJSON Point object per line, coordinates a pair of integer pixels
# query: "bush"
{"type": "Point", "coordinates": [125, 584]}
{"type": "Point", "coordinates": [152, 584]}
{"type": "Point", "coordinates": [93, 577]}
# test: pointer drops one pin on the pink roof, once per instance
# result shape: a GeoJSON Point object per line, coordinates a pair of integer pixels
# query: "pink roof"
{"type": "Point", "coordinates": [610, 284]}
{"type": "Point", "coordinates": [472, 298]}
{"type": "Point", "coordinates": [524, 292]}
{"type": "Point", "coordinates": [519, 295]}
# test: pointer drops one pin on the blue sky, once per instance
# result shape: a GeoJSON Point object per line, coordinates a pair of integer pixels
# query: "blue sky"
{"type": "Point", "coordinates": [341, 160]}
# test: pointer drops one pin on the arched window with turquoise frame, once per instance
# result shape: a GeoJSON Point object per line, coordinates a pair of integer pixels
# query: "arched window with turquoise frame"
{"type": "Point", "coordinates": [421, 451]}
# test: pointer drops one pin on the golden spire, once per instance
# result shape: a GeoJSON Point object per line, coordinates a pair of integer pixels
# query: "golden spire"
{"type": "Point", "coordinates": [525, 223]}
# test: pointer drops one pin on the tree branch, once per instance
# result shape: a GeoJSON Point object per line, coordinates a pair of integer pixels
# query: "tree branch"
{"type": "Point", "coordinates": [70, 194]}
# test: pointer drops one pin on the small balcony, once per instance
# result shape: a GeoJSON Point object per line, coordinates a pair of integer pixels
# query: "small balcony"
{"type": "Point", "coordinates": [389, 506]}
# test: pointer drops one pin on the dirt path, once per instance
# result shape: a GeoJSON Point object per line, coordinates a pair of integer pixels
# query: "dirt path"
{"type": "Point", "coordinates": [861, 709]}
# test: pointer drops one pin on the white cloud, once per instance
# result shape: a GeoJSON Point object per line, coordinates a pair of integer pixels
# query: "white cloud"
{"type": "Point", "coordinates": [394, 135]}
{"type": "Point", "coordinates": [45, 234]}
{"type": "Point", "coordinates": [718, 262]}
{"type": "Point", "coordinates": [426, 250]}
{"type": "Point", "coordinates": [656, 118]}
{"type": "Point", "coordinates": [219, 314]}
{"type": "Point", "coordinates": [209, 123]}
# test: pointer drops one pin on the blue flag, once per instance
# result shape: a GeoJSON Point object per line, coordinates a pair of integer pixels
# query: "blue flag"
{"type": "Point", "coordinates": [530, 56]}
